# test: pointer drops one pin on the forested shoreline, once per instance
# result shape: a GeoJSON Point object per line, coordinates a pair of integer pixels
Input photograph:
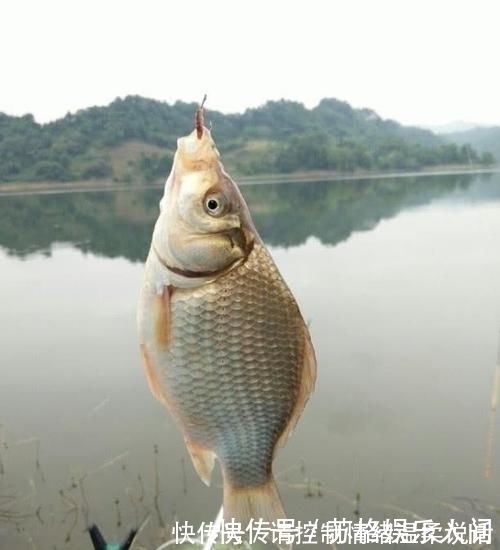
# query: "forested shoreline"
{"type": "Point", "coordinates": [133, 140]}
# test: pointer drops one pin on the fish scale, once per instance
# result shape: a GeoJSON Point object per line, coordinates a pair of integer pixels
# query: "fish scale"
{"type": "Point", "coordinates": [234, 390]}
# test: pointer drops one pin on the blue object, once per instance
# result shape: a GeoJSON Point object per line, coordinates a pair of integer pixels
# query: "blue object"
{"type": "Point", "coordinates": [100, 543]}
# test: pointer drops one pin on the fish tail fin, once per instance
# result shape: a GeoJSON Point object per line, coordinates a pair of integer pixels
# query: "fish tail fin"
{"type": "Point", "coordinates": [247, 503]}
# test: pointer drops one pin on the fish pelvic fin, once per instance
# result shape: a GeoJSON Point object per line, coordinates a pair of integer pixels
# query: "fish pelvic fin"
{"type": "Point", "coordinates": [203, 460]}
{"type": "Point", "coordinates": [306, 386]}
{"type": "Point", "coordinates": [247, 503]}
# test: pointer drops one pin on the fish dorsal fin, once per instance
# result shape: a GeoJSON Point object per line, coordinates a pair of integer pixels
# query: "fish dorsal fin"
{"type": "Point", "coordinates": [306, 386]}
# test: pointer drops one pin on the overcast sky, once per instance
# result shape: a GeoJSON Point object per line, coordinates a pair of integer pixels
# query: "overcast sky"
{"type": "Point", "coordinates": [424, 62]}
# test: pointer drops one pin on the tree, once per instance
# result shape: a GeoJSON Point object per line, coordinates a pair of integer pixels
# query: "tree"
{"type": "Point", "coordinates": [50, 170]}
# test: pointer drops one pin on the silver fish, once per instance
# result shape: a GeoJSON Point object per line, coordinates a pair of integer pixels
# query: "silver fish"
{"type": "Point", "coordinates": [223, 343]}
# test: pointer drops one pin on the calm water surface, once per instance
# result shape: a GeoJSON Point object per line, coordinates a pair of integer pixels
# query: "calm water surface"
{"type": "Point", "coordinates": [400, 280]}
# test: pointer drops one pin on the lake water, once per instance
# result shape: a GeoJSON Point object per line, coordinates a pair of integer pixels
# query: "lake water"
{"type": "Point", "coordinates": [400, 280]}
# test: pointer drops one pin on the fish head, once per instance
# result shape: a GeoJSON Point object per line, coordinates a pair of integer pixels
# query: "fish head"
{"type": "Point", "coordinates": [204, 227]}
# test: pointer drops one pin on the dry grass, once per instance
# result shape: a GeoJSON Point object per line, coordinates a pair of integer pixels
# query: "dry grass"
{"type": "Point", "coordinates": [126, 155]}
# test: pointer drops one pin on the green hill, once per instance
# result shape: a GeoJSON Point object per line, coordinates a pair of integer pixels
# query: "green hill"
{"type": "Point", "coordinates": [133, 139]}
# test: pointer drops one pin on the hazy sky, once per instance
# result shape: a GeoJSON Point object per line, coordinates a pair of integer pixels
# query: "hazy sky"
{"type": "Point", "coordinates": [422, 62]}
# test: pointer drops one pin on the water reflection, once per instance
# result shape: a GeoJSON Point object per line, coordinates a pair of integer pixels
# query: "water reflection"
{"type": "Point", "coordinates": [119, 224]}
{"type": "Point", "coordinates": [404, 316]}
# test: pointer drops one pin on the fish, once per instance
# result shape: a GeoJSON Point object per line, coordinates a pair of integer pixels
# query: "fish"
{"type": "Point", "coordinates": [223, 343]}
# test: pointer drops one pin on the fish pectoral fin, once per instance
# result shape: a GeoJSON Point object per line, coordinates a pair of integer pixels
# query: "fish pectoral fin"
{"type": "Point", "coordinates": [152, 376]}
{"type": "Point", "coordinates": [162, 326]}
{"type": "Point", "coordinates": [203, 460]}
{"type": "Point", "coordinates": [306, 386]}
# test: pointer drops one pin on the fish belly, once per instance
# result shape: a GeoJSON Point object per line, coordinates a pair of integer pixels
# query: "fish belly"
{"type": "Point", "coordinates": [233, 366]}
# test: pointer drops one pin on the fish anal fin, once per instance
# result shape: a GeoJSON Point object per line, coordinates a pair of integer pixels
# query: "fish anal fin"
{"type": "Point", "coordinates": [203, 460]}
{"type": "Point", "coordinates": [152, 376]}
{"type": "Point", "coordinates": [162, 322]}
{"type": "Point", "coordinates": [306, 386]}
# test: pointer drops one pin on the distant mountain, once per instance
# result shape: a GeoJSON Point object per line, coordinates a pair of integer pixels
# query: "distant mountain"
{"type": "Point", "coordinates": [134, 139]}
{"type": "Point", "coordinates": [454, 127]}
{"type": "Point", "coordinates": [481, 139]}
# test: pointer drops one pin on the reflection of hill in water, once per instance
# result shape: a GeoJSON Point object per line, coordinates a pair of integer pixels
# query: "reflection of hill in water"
{"type": "Point", "coordinates": [120, 223]}
{"type": "Point", "coordinates": [332, 211]}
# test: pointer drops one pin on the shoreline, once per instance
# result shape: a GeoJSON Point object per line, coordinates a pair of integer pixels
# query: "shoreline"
{"type": "Point", "coordinates": [82, 186]}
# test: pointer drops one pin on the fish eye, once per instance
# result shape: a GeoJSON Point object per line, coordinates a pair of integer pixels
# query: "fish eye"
{"type": "Point", "coordinates": [215, 205]}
